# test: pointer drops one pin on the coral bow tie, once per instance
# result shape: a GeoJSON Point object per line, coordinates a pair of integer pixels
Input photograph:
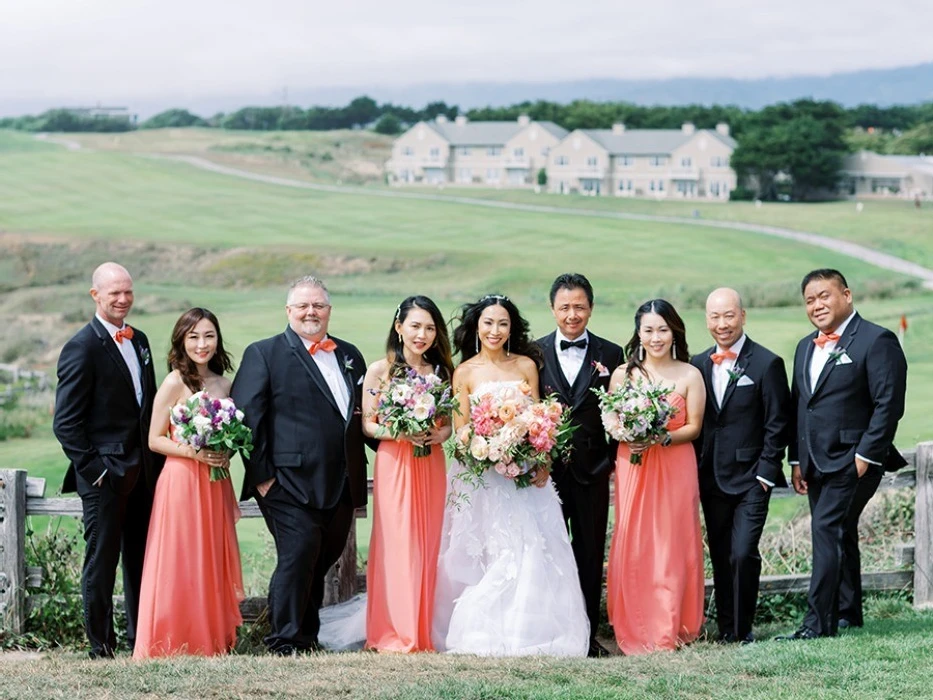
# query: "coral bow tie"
{"type": "Point", "coordinates": [327, 345]}
{"type": "Point", "coordinates": [125, 332]}
{"type": "Point", "coordinates": [718, 357]}
{"type": "Point", "coordinates": [824, 338]}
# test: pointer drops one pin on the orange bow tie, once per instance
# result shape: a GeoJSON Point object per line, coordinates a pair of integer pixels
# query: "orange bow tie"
{"type": "Point", "coordinates": [327, 345]}
{"type": "Point", "coordinates": [824, 338]}
{"type": "Point", "coordinates": [125, 332]}
{"type": "Point", "coordinates": [718, 357]}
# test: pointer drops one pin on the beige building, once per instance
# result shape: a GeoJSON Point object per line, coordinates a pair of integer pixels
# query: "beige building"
{"type": "Point", "coordinates": [462, 152]}
{"type": "Point", "coordinates": [867, 174]}
{"type": "Point", "coordinates": [685, 162]}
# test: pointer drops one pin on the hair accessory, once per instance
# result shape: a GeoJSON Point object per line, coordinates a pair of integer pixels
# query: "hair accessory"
{"type": "Point", "coordinates": [398, 311]}
{"type": "Point", "coordinates": [497, 297]}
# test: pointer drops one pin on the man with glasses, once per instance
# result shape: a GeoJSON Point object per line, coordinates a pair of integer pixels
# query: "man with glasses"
{"type": "Point", "coordinates": [300, 392]}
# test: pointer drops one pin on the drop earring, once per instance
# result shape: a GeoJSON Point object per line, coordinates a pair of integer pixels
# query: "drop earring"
{"type": "Point", "coordinates": [674, 352]}
{"type": "Point", "coordinates": [477, 344]}
{"type": "Point", "coordinates": [641, 353]}
{"type": "Point", "coordinates": [508, 346]}
{"type": "Point", "coordinates": [399, 337]}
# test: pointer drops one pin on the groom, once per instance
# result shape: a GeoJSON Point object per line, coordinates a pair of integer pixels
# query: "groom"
{"type": "Point", "coordinates": [576, 361]}
{"type": "Point", "coordinates": [103, 406]}
{"type": "Point", "coordinates": [300, 392]}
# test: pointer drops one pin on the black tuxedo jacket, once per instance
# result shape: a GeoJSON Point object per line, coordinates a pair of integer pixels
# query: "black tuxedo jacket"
{"type": "Point", "coordinates": [299, 434]}
{"type": "Point", "coordinates": [745, 437]}
{"type": "Point", "coordinates": [97, 420]}
{"type": "Point", "coordinates": [591, 456]}
{"type": "Point", "coordinates": [855, 405]}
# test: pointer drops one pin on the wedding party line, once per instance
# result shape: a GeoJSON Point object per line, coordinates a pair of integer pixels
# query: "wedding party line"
{"type": "Point", "coordinates": [491, 481]}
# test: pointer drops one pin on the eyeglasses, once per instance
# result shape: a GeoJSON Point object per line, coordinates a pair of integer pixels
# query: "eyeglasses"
{"type": "Point", "coordinates": [302, 308]}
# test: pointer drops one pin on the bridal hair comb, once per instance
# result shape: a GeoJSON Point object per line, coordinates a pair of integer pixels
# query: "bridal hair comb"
{"type": "Point", "coordinates": [497, 297]}
{"type": "Point", "coordinates": [398, 311]}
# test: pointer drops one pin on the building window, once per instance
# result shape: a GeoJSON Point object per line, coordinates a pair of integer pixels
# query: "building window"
{"type": "Point", "coordinates": [686, 162]}
{"type": "Point", "coordinates": [494, 151]}
{"type": "Point", "coordinates": [561, 160]}
{"type": "Point", "coordinates": [714, 189]}
{"type": "Point", "coordinates": [464, 150]}
{"type": "Point", "coordinates": [626, 161]}
{"type": "Point", "coordinates": [465, 175]}
{"type": "Point", "coordinates": [625, 186]}
{"type": "Point", "coordinates": [518, 152]}
{"type": "Point", "coordinates": [592, 162]}
{"type": "Point", "coordinates": [545, 151]}
{"type": "Point", "coordinates": [651, 186]}
{"type": "Point", "coordinates": [718, 162]}
{"type": "Point", "coordinates": [660, 185]}
{"type": "Point", "coordinates": [435, 153]}
{"type": "Point", "coordinates": [492, 174]}
{"type": "Point", "coordinates": [657, 161]}
{"type": "Point", "coordinates": [408, 151]}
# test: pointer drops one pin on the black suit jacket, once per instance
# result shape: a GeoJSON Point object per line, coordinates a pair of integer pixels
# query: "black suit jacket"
{"type": "Point", "coordinates": [299, 435]}
{"type": "Point", "coordinates": [591, 456]}
{"type": "Point", "coordinates": [855, 406]}
{"type": "Point", "coordinates": [745, 437]}
{"type": "Point", "coordinates": [97, 420]}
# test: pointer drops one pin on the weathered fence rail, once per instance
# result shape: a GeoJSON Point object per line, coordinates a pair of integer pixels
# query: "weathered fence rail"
{"type": "Point", "coordinates": [21, 496]}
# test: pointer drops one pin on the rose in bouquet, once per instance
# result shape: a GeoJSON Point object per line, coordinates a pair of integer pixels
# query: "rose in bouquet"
{"type": "Point", "coordinates": [214, 424]}
{"type": "Point", "coordinates": [636, 412]}
{"type": "Point", "coordinates": [513, 435]}
{"type": "Point", "coordinates": [411, 403]}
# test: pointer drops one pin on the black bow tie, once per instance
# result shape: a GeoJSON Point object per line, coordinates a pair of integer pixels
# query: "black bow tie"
{"type": "Point", "coordinates": [564, 344]}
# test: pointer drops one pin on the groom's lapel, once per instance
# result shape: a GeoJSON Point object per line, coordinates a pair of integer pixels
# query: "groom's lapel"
{"type": "Point", "coordinates": [310, 366]}
{"type": "Point", "coordinates": [584, 380]}
{"type": "Point", "coordinates": [554, 374]}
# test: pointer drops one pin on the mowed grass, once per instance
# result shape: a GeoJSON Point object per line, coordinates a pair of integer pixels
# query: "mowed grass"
{"type": "Point", "coordinates": [887, 659]}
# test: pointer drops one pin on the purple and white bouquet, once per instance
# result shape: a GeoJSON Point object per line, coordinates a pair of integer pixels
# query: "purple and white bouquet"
{"type": "Point", "coordinates": [636, 412]}
{"type": "Point", "coordinates": [412, 403]}
{"type": "Point", "coordinates": [214, 424]}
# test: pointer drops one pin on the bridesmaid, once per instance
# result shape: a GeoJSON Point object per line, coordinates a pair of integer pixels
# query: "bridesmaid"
{"type": "Point", "coordinates": [654, 585]}
{"type": "Point", "coordinates": [192, 583]}
{"type": "Point", "coordinates": [408, 492]}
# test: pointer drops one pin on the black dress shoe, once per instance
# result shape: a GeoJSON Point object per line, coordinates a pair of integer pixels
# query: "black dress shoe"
{"type": "Point", "coordinates": [748, 639]}
{"type": "Point", "coordinates": [802, 633]}
{"type": "Point", "coordinates": [726, 638]}
{"type": "Point", "coordinates": [845, 624]}
{"type": "Point", "coordinates": [598, 651]}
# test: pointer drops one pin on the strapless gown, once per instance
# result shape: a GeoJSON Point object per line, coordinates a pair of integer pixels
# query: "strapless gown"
{"type": "Point", "coordinates": [655, 585]}
{"type": "Point", "coordinates": [507, 580]}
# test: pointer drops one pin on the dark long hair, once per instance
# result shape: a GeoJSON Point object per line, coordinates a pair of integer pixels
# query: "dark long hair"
{"type": "Point", "coordinates": [178, 358]}
{"type": "Point", "coordinates": [438, 355]}
{"type": "Point", "coordinates": [665, 310]}
{"type": "Point", "coordinates": [519, 342]}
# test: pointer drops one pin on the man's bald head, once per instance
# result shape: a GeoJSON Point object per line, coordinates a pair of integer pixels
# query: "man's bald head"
{"type": "Point", "coordinates": [725, 316]}
{"type": "Point", "coordinates": [112, 291]}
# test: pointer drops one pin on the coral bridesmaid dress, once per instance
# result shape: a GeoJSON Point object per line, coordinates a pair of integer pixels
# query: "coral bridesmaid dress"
{"type": "Point", "coordinates": [192, 582]}
{"type": "Point", "coordinates": [408, 514]}
{"type": "Point", "coordinates": [655, 585]}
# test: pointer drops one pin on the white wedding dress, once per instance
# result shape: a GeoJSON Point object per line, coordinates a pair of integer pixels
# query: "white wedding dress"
{"type": "Point", "coordinates": [507, 581]}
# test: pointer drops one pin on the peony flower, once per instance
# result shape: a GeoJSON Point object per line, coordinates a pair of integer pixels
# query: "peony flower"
{"type": "Point", "coordinates": [423, 408]}
{"type": "Point", "coordinates": [478, 447]}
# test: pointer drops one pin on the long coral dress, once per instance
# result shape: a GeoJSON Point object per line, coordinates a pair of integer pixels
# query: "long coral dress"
{"type": "Point", "coordinates": [192, 581]}
{"type": "Point", "coordinates": [655, 585]}
{"type": "Point", "coordinates": [408, 515]}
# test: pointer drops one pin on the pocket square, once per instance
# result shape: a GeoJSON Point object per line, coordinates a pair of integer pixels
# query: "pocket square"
{"type": "Point", "coordinates": [844, 360]}
{"type": "Point", "coordinates": [359, 383]}
{"type": "Point", "coordinates": [604, 373]}
{"type": "Point", "coordinates": [745, 380]}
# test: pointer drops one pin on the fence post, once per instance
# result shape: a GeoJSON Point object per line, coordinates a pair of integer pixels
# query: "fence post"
{"type": "Point", "coordinates": [340, 581]}
{"type": "Point", "coordinates": [12, 549]}
{"type": "Point", "coordinates": [923, 528]}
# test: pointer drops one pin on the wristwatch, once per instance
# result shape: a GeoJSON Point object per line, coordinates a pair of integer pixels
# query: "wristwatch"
{"type": "Point", "coordinates": [666, 442]}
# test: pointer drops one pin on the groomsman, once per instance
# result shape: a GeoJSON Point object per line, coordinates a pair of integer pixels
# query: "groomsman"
{"type": "Point", "coordinates": [103, 406]}
{"type": "Point", "coordinates": [576, 361]}
{"type": "Point", "coordinates": [848, 387]}
{"type": "Point", "coordinates": [740, 453]}
{"type": "Point", "coordinates": [300, 392]}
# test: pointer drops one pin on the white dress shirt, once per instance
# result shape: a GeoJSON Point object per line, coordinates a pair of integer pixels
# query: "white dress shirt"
{"type": "Point", "coordinates": [571, 359]}
{"type": "Point", "coordinates": [129, 357]}
{"type": "Point", "coordinates": [721, 371]}
{"type": "Point", "coordinates": [330, 369]}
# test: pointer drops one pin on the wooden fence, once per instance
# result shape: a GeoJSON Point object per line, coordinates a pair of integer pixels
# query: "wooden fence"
{"type": "Point", "coordinates": [21, 496]}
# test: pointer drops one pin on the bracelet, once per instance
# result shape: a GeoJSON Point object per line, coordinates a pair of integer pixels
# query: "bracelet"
{"type": "Point", "coordinates": [666, 442]}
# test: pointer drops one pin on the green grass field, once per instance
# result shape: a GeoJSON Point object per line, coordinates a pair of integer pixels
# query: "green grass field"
{"type": "Point", "coordinates": [62, 212]}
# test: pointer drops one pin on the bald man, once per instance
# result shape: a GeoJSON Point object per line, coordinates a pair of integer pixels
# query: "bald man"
{"type": "Point", "coordinates": [102, 410]}
{"type": "Point", "coordinates": [740, 453]}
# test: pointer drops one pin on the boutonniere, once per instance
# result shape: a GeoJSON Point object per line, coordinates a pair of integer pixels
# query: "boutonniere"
{"type": "Point", "coordinates": [838, 356]}
{"type": "Point", "coordinates": [146, 356]}
{"type": "Point", "coordinates": [735, 373]}
{"type": "Point", "coordinates": [348, 365]}
{"type": "Point", "coordinates": [600, 368]}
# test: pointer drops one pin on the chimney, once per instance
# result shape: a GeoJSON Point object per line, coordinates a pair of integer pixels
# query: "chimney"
{"type": "Point", "coordinates": [524, 120]}
{"type": "Point", "coordinates": [618, 128]}
{"type": "Point", "coordinates": [460, 120]}
{"type": "Point", "coordinates": [722, 129]}
{"type": "Point", "coordinates": [441, 119]}
{"type": "Point", "coordinates": [688, 128]}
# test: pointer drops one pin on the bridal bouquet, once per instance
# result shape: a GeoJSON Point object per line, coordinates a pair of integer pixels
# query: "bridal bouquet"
{"type": "Point", "coordinates": [636, 412]}
{"type": "Point", "coordinates": [512, 434]}
{"type": "Point", "coordinates": [214, 424]}
{"type": "Point", "coordinates": [411, 403]}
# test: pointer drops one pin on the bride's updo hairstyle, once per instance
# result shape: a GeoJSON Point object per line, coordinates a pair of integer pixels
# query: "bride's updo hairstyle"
{"type": "Point", "coordinates": [662, 308]}
{"type": "Point", "coordinates": [178, 358]}
{"type": "Point", "coordinates": [466, 339]}
{"type": "Point", "coordinates": [438, 355]}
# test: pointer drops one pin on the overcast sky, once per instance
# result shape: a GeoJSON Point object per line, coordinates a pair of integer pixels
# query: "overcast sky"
{"type": "Point", "coordinates": [103, 50]}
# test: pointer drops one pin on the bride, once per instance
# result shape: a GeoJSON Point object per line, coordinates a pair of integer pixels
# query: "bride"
{"type": "Point", "coordinates": [507, 581]}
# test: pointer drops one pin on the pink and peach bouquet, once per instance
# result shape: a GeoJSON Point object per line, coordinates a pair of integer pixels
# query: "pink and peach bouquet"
{"type": "Point", "coordinates": [512, 434]}
{"type": "Point", "coordinates": [412, 403]}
